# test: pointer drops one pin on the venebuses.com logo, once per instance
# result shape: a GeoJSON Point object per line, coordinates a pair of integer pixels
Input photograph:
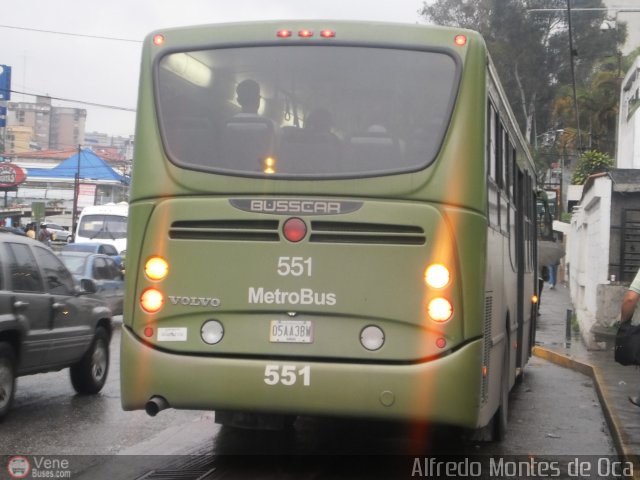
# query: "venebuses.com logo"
{"type": "Point", "coordinates": [19, 466]}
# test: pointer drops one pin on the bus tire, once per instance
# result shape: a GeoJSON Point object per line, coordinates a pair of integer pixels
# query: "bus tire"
{"type": "Point", "coordinates": [7, 377]}
{"type": "Point", "coordinates": [89, 375]}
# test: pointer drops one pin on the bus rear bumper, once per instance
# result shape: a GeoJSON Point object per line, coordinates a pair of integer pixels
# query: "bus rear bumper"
{"type": "Point", "coordinates": [445, 390]}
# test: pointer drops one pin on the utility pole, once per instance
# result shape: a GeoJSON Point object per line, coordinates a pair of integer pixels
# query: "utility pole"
{"type": "Point", "coordinates": [572, 54]}
{"type": "Point", "coordinates": [76, 188]}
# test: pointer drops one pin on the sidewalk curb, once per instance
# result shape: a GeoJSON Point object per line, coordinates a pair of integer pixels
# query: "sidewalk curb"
{"type": "Point", "coordinates": [611, 417]}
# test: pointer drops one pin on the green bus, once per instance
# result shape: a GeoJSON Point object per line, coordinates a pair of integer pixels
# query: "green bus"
{"type": "Point", "coordinates": [327, 218]}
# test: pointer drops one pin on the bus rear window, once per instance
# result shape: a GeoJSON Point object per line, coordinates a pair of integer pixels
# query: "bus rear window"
{"type": "Point", "coordinates": [305, 111]}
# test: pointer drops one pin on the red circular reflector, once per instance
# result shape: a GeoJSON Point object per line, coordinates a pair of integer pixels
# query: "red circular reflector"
{"type": "Point", "coordinates": [294, 229]}
{"type": "Point", "coordinates": [284, 33]}
{"type": "Point", "coordinates": [460, 40]}
{"type": "Point", "coordinates": [148, 332]}
{"type": "Point", "coordinates": [441, 342]}
{"type": "Point", "coordinates": [305, 33]}
{"type": "Point", "coordinates": [158, 39]}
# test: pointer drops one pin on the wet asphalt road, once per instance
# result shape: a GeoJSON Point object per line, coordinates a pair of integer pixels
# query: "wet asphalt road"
{"type": "Point", "coordinates": [554, 412]}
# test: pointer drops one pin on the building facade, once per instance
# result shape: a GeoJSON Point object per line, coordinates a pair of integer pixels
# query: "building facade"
{"type": "Point", "coordinates": [628, 148]}
{"type": "Point", "coordinates": [51, 127]}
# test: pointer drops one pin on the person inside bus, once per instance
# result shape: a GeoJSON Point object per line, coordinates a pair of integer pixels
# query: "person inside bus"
{"type": "Point", "coordinates": [248, 136]}
{"type": "Point", "coordinates": [248, 95]}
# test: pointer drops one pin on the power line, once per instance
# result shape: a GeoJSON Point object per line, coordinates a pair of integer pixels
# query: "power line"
{"type": "Point", "coordinates": [82, 102]}
{"type": "Point", "coordinates": [71, 34]}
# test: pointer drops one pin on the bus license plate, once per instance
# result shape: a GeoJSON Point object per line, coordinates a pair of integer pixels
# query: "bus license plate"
{"type": "Point", "coordinates": [291, 331]}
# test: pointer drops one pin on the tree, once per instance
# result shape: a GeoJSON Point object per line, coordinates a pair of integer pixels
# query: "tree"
{"type": "Point", "coordinates": [590, 163]}
{"type": "Point", "coordinates": [531, 49]}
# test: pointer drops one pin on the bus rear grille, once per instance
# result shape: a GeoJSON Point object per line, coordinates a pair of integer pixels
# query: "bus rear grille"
{"type": "Point", "coordinates": [238, 230]}
{"type": "Point", "coordinates": [369, 233]}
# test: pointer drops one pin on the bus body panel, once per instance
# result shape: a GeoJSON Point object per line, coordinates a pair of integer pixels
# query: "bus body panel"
{"type": "Point", "coordinates": [353, 270]}
{"type": "Point", "coordinates": [421, 391]}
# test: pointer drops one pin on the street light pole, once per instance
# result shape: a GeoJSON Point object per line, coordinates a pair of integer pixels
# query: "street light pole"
{"type": "Point", "coordinates": [76, 188]}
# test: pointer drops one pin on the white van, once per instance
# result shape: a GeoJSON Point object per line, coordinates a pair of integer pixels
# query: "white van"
{"type": "Point", "coordinates": [104, 224]}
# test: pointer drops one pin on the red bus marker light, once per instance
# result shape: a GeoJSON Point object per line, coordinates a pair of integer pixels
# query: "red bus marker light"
{"type": "Point", "coordinates": [284, 33]}
{"type": "Point", "coordinates": [327, 33]}
{"type": "Point", "coordinates": [158, 39]}
{"type": "Point", "coordinates": [305, 33]}
{"type": "Point", "coordinates": [294, 229]}
{"type": "Point", "coordinates": [460, 40]}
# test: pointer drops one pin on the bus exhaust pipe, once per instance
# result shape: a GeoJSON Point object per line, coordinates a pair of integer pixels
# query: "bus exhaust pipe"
{"type": "Point", "coordinates": [154, 405]}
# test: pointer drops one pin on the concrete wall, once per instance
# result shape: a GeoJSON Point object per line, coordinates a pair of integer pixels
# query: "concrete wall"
{"type": "Point", "coordinates": [588, 257]}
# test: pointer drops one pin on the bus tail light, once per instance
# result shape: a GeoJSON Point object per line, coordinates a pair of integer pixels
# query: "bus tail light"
{"type": "Point", "coordinates": [440, 309]}
{"type": "Point", "coordinates": [326, 33]}
{"type": "Point", "coordinates": [284, 33]}
{"type": "Point", "coordinates": [156, 268]}
{"type": "Point", "coordinates": [151, 300]}
{"type": "Point", "coordinates": [437, 275]}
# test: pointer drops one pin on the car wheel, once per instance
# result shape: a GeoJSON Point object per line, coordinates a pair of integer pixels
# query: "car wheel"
{"type": "Point", "coordinates": [89, 375]}
{"type": "Point", "coordinates": [7, 377]}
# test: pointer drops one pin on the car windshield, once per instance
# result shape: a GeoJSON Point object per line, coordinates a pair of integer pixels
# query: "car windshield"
{"type": "Point", "coordinates": [305, 110]}
{"type": "Point", "coordinates": [103, 226]}
{"type": "Point", "coordinates": [74, 263]}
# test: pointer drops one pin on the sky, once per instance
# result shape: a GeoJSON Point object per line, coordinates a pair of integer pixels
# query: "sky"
{"type": "Point", "coordinates": [74, 65]}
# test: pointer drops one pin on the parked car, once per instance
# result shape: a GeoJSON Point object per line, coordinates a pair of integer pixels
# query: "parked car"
{"type": "Point", "coordinates": [60, 234]}
{"type": "Point", "coordinates": [95, 247]}
{"type": "Point", "coordinates": [47, 321]}
{"type": "Point", "coordinates": [14, 230]}
{"type": "Point", "coordinates": [104, 272]}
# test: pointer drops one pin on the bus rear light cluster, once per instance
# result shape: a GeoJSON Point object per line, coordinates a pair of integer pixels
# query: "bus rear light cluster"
{"type": "Point", "coordinates": [156, 268]}
{"type": "Point", "coordinates": [306, 33]}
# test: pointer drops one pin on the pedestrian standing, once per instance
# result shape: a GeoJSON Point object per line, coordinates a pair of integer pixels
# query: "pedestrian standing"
{"type": "Point", "coordinates": [553, 275]}
{"type": "Point", "coordinates": [628, 308]}
{"type": "Point", "coordinates": [31, 231]}
{"type": "Point", "coordinates": [44, 236]}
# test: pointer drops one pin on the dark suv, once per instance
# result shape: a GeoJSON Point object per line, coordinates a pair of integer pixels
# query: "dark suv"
{"type": "Point", "coordinates": [47, 323]}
